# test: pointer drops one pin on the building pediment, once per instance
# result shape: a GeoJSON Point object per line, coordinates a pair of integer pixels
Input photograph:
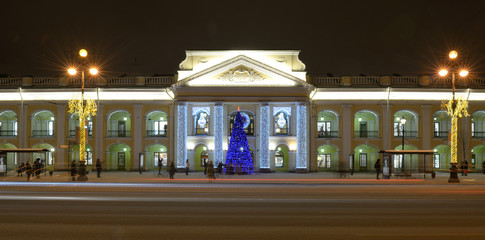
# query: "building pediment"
{"type": "Point", "coordinates": [244, 70]}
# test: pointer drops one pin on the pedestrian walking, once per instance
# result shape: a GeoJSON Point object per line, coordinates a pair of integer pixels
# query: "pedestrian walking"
{"type": "Point", "coordinates": [378, 167]}
{"type": "Point", "coordinates": [20, 170]}
{"type": "Point", "coordinates": [73, 170]}
{"type": "Point", "coordinates": [187, 165]}
{"type": "Point", "coordinates": [211, 171]}
{"type": "Point", "coordinates": [160, 166]}
{"type": "Point", "coordinates": [28, 170]}
{"type": "Point", "coordinates": [98, 167]}
{"type": "Point", "coordinates": [219, 168]}
{"type": "Point", "coordinates": [172, 170]}
{"type": "Point", "coordinates": [205, 166]}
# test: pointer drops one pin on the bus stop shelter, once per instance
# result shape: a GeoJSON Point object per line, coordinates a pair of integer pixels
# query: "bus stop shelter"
{"type": "Point", "coordinates": [21, 152]}
{"type": "Point", "coordinates": [388, 156]}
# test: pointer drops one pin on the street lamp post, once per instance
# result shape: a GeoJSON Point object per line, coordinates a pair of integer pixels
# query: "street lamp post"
{"type": "Point", "coordinates": [456, 108]}
{"type": "Point", "coordinates": [403, 122]}
{"type": "Point", "coordinates": [84, 108]}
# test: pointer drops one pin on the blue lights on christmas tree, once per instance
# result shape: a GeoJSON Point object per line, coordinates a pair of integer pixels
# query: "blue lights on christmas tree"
{"type": "Point", "coordinates": [238, 155]}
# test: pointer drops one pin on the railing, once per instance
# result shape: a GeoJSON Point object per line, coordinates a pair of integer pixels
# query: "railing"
{"type": "Point", "coordinates": [42, 133]}
{"type": "Point", "coordinates": [88, 82]}
{"type": "Point", "coordinates": [409, 134]}
{"type": "Point", "coordinates": [478, 134]}
{"type": "Point", "coordinates": [328, 134]}
{"type": "Point", "coordinates": [440, 134]}
{"type": "Point", "coordinates": [10, 82]}
{"type": "Point", "coordinates": [166, 80]}
{"type": "Point", "coordinates": [404, 81]}
{"type": "Point", "coordinates": [156, 133]}
{"type": "Point", "coordinates": [360, 80]}
{"type": "Point", "coordinates": [45, 82]}
{"type": "Point", "coordinates": [366, 134]}
{"type": "Point", "coordinates": [72, 133]}
{"type": "Point", "coordinates": [8, 133]}
{"type": "Point", "coordinates": [326, 81]}
{"type": "Point", "coordinates": [118, 133]}
{"type": "Point", "coordinates": [121, 81]}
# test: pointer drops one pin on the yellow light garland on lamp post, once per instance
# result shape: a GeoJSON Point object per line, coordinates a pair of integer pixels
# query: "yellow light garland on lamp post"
{"type": "Point", "coordinates": [83, 108]}
{"type": "Point", "coordinates": [456, 108]}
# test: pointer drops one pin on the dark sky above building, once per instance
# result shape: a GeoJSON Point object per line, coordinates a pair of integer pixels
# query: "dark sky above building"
{"type": "Point", "coordinates": [408, 37]}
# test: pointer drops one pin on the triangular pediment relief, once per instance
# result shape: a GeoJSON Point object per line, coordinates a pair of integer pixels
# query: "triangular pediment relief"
{"type": "Point", "coordinates": [241, 71]}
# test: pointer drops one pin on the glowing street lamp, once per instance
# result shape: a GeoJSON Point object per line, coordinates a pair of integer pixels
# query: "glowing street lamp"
{"type": "Point", "coordinates": [456, 108]}
{"type": "Point", "coordinates": [83, 107]}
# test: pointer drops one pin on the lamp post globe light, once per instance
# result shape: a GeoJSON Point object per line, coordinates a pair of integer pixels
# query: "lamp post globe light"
{"type": "Point", "coordinates": [84, 108]}
{"type": "Point", "coordinates": [456, 108]}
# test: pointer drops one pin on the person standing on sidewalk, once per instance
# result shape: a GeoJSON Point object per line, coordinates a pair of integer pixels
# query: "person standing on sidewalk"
{"type": "Point", "coordinates": [159, 166]}
{"type": "Point", "coordinates": [98, 167]}
{"type": "Point", "coordinates": [205, 166]}
{"type": "Point", "coordinates": [73, 170]}
{"type": "Point", "coordinates": [28, 170]}
{"type": "Point", "coordinates": [172, 170]}
{"type": "Point", "coordinates": [378, 167]}
{"type": "Point", "coordinates": [187, 165]}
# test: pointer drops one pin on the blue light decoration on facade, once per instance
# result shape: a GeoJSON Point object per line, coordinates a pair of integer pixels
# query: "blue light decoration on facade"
{"type": "Point", "coordinates": [238, 153]}
{"type": "Point", "coordinates": [301, 136]}
{"type": "Point", "coordinates": [181, 136]}
{"type": "Point", "coordinates": [218, 134]}
{"type": "Point", "coordinates": [264, 137]}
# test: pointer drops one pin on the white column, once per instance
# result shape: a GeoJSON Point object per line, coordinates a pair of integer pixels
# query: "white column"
{"type": "Point", "coordinates": [181, 135]}
{"type": "Point", "coordinates": [99, 133]}
{"type": "Point", "coordinates": [301, 137]}
{"type": "Point", "coordinates": [264, 137]}
{"type": "Point", "coordinates": [61, 135]}
{"type": "Point", "coordinates": [218, 132]}
{"type": "Point", "coordinates": [426, 126]}
{"type": "Point", "coordinates": [347, 120]}
{"type": "Point", "coordinates": [137, 135]}
{"type": "Point", "coordinates": [386, 129]}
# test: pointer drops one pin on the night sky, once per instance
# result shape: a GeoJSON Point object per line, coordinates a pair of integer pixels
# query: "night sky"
{"type": "Point", "coordinates": [146, 38]}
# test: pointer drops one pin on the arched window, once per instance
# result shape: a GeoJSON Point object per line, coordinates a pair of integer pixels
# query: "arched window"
{"type": "Point", "coordinates": [47, 157]}
{"type": "Point", "coordinates": [248, 125]}
{"type": "Point", "coordinates": [74, 124]}
{"type": "Point", "coordinates": [366, 124]}
{"type": "Point", "coordinates": [119, 124]}
{"type": "Point", "coordinates": [478, 124]}
{"type": "Point", "coordinates": [279, 159]}
{"type": "Point", "coordinates": [281, 123]}
{"type": "Point", "coordinates": [410, 126]}
{"type": "Point", "coordinates": [441, 124]}
{"type": "Point", "coordinates": [157, 124]}
{"type": "Point", "coordinates": [8, 123]}
{"type": "Point", "coordinates": [43, 124]}
{"type": "Point", "coordinates": [327, 124]}
{"type": "Point", "coordinates": [201, 122]}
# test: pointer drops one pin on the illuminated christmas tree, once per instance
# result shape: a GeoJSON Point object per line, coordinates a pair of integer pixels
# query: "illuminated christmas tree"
{"type": "Point", "coordinates": [238, 153]}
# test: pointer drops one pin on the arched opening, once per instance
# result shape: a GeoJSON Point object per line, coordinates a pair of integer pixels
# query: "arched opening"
{"type": "Point", "coordinates": [441, 157]}
{"type": "Point", "coordinates": [327, 124]}
{"type": "Point", "coordinates": [12, 158]}
{"type": "Point", "coordinates": [48, 157]}
{"type": "Point", "coordinates": [478, 157]}
{"type": "Point", "coordinates": [8, 123]}
{"type": "Point", "coordinates": [281, 158]}
{"type": "Point", "coordinates": [201, 155]}
{"type": "Point", "coordinates": [74, 152]}
{"type": "Point", "coordinates": [74, 124]}
{"type": "Point", "coordinates": [410, 161]}
{"type": "Point", "coordinates": [366, 156]}
{"type": "Point", "coordinates": [366, 124]}
{"type": "Point", "coordinates": [119, 157]}
{"type": "Point", "coordinates": [157, 124]}
{"type": "Point", "coordinates": [327, 158]}
{"type": "Point", "coordinates": [441, 124]}
{"type": "Point", "coordinates": [153, 154]}
{"type": "Point", "coordinates": [478, 124]}
{"type": "Point", "coordinates": [410, 127]}
{"type": "Point", "coordinates": [43, 124]}
{"type": "Point", "coordinates": [119, 124]}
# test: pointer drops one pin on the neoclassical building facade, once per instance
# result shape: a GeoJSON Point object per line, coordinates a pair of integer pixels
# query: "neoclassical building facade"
{"type": "Point", "coordinates": [294, 122]}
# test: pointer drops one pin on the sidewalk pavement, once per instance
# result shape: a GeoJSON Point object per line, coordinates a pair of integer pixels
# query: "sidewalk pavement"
{"type": "Point", "coordinates": [476, 178]}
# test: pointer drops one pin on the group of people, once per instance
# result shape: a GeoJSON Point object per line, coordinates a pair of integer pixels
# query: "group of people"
{"type": "Point", "coordinates": [82, 169]}
{"type": "Point", "coordinates": [35, 170]}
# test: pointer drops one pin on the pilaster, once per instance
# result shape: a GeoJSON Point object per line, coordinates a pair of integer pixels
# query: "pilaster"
{"type": "Point", "coordinates": [264, 118]}
{"type": "Point", "coordinates": [346, 136]}
{"type": "Point", "coordinates": [137, 135]}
